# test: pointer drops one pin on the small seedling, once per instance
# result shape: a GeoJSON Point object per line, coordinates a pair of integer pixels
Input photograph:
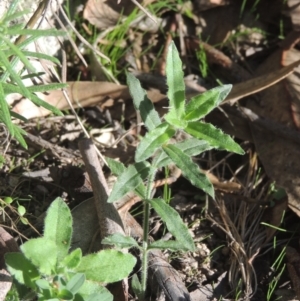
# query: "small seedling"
{"type": "Point", "coordinates": [182, 117]}
{"type": "Point", "coordinates": [20, 210]}
{"type": "Point", "coordinates": [46, 267]}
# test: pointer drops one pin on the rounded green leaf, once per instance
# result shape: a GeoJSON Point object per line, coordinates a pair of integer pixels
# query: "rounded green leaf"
{"type": "Point", "coordinates": [21, 269]}
{"type": "Point", "coordinates": [93, 291]}
{"type": "Point", "coordinates": [58, 226]}
{"type": "Point", "coordinates": [107, 266]}
{"type": "Point", "coordinates": [72, 260]}
{"type": "Point", "coordinates": [42, 252]}
{"type": "Point", "coordinates": [21, 210]}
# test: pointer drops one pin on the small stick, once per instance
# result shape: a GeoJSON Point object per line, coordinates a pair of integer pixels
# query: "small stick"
{"type": "Point", "coordinates": [109, 219]}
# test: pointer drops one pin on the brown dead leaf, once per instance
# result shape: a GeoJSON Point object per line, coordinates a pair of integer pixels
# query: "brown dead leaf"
{"type": "Point", "coordinates": [293, 84]}
{"type": "Point", "coordinates": [293, 265]}
{"type": "Point", "coordinates": [294, 13]}
{"type": "Point", "coordinates": [84, 94]}
{"type": "Point", "coordinates": [278, 154]}
{"type": "Point", "coordinates": [104, 14]}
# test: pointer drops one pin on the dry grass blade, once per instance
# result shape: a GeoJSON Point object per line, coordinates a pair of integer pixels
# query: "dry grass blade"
{"type": "Point", "coordinates": [240, 221]}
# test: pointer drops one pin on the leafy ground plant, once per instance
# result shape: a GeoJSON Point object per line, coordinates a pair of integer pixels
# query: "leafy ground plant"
{"type": "Point", "coordinates": [181, 117]}
{"type": "Point", "coordinates": [49, 271]}
{"type": "Point", "coordinates": [11, 55]}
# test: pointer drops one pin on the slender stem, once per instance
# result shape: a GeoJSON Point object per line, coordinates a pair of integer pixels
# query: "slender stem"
{"type": "Point", "coordinates": [146, 234]}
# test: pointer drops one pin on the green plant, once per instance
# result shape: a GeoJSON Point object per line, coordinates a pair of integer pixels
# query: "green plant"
{"type": "Point", "coordinates": [47, 269]}
{"type": "Point", "coordinates": [181, 117]}
{"type": "Point", "coordinates": [12, 55]}
{"type": "Point", "coordinates": [20, 210]}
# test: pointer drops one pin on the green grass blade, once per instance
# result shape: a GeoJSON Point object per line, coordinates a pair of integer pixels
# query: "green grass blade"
{"type": "Point", "coordinates": [189, 169]}
{"type": "Point", "coordinates": [18, 134]}
{"type": "Point", "coordinates": [14, 16]}
{"type": "Point", "coordinates": [46, 88]}
{"type": "Point", "coordinates": [174, 224]}
{"type": "Point", "coordinates": [142, 103]}
{"type": "Point", "coordinates": [4, 111]}
{"type": "Point", "coordinates": [153, 140]}
{"type": "Point", "coordinates": [37, 55]}
{"type": "Point", "coordinates": [36, 33]}
{"type": "Point", "coordinates": [175, 82]}
{"type": "Point", "coordinates": [9, 88]}
{"type": "Point", "coordinates": [213, 136]}
{"type": "Point", "coordinates": [200, 105]}
{"type": "Point", "coordinates": [16, 50]}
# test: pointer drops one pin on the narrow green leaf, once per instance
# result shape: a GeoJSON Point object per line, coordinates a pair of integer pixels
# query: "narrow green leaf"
{"type": "Point", "coordinates": [117, 168]}
{"type": "Point", "coordinates": [46, 88]}
{"type": "Point", "coordinates": [120, 241]}
{"type": "Point", "coordinates": [17, 51]}
{"type": "Point", "coordinates": [174, 224]}
{"type": "Point", "coordinates": [200, 105]}
{"type": "Point", "coordinates": [130, 178]}
{"type": "Point", "coordinates": [153, 140]}
{"type": "Point", "coordinates": [42, 252]}
{"type": "Point", "coordinates": [171, 245]}
{"type": "Point", "coordinates": [72, 260]}
{"type": "Point", "coordinates": [7, 18]}
{"type": "Point", "coordinates": [18, 116]}
{"type": "Point", "coordinates": [21, 269]}
{"type": "Point", "coordinates": [58, 227]}
{"type": "Point", "coordinates": [107, 266]}
{"type": "Point", "coordinates": [13, 75]}
{"type": "Point", "coordinates": [18, 134]}
{"type": "Point", "coordinates": [4, 111]}
{"type": "Point", "coordinates": [37, 33]}
{"type": "Point", "coordinates": [175, 81]}
{"type": "Point", "coordinates": [75, 283]}
{"type": "Point", "coordinates": [190, 146]}
{"type": "Point", "coordinates": [189, 169]}
{"type": "Point", "coordinates": [142, 103]}
{"type": "Point", "coordinates": [213, 136]}
{"type": "Point", "coordinates": [42, 56]}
